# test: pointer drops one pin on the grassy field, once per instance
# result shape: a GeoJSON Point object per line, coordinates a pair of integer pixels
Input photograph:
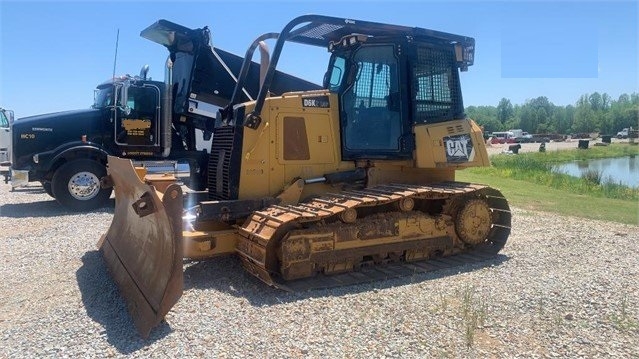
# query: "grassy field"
{"type": "Point", "coordinates": [527, 182]}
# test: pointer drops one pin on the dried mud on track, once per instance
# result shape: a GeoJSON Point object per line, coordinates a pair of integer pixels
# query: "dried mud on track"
{"type": "Point", "coordinates": [562, 287]}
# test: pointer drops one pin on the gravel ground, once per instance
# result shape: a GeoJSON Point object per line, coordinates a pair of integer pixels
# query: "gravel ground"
{"type": "Point", "coordinates": [569, 144]}
{"type": "Point", "coordinates": [562, 287]}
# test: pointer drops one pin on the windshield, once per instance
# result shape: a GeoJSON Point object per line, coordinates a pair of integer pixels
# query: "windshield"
{"type": "Point", "coordinates": [103, 97]}
{"type": "Point", "coordinates": [4, 121]}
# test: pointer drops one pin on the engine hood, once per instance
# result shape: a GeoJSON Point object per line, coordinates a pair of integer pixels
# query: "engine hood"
{"type": "Point", "coordinates": [57, 119]}
{"type": "Point", "coordinates": [48, 134]}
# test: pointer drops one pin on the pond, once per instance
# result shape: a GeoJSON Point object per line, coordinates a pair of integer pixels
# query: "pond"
{"type": "Point", "coordinates": [624, 170]}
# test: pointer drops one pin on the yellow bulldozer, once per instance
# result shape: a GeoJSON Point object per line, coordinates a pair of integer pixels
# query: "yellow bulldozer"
{"type": "Point", "coordinates": [315, 184]}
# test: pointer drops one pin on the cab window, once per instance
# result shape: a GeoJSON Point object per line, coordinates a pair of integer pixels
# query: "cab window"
{"type": "Point", "coordinates": [336, 74]}
{"type": "Point", "coordinates": [436, 95]}
{"type": "Point", "coordinates": [4, 121]}
{"type": "Point", "coordinates": [372, 120]}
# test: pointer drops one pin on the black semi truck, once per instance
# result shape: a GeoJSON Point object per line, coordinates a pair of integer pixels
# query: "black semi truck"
{"type": "Point", "coordinates": [151, 122]}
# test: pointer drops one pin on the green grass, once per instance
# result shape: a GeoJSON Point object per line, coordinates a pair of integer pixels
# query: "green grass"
{"type": "Point", "coordinates": [527, 182]}
{"type": "Point", "coordinates": [474, 312]}
{"type": "Point", "coordinates": [623, 320]}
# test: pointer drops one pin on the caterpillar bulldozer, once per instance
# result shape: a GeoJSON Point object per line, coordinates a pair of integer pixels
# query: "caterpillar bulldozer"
{"type": "Point", "coordinates": [314, 184]}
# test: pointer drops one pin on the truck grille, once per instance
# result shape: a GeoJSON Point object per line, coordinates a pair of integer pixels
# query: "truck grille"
{"type": "Point", "coordinates": [224, 163]}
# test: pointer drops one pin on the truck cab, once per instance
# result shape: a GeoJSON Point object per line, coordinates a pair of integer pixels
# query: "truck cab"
{"type": "Point", "coordinates": [135, 125]}
{"type": "Point", "coordinates": [622, 134]}
{"type": "Point", "coordinates": [156, 124]}
{"type": "Point", "coordinates": [6, 119]}
{"type": "Point", "coordinates": [66, 151]}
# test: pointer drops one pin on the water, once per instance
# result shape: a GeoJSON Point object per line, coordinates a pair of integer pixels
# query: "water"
{"type": "Point", "coordinates": [624, 170]}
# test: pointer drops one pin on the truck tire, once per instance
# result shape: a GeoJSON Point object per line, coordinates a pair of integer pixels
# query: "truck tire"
{"type": "Point", "coordinates": [47, 188]}
{"type": "Point", "coordinates": [76, 185]}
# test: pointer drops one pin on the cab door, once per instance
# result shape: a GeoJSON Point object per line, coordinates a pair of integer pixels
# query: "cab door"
{"type": "Point", "coordinates": [373, 125]}
{"type": "Point", "coordinates": [137, 124]}
{"type": "Point", "coordinates": [5, 136]}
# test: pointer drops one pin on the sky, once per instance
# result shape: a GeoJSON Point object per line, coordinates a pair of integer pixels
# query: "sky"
{"type": "Point", "coordinates": [54, 53]}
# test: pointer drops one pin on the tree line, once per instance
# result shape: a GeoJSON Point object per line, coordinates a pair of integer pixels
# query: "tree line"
{"type": "Point", "coordinates": [591, 113]}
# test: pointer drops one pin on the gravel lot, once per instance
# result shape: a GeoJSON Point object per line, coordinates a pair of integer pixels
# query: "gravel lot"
{"type": "Point", "coordinates": [562, 287]}
{"type": "Point", "coordinates": [569, 144]}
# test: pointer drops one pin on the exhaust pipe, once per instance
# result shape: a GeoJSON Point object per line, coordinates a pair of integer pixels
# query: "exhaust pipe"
{"type": "Point", "coordinates": [167, 111]}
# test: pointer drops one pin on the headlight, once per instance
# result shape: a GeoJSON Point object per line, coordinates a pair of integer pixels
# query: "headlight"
{"type": "Point", "coordinates": [36, 158]}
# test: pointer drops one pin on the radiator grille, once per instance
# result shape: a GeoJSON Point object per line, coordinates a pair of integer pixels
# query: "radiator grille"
{"type": "Point", "coordinates": [454, 130]}
{"type": "Point", "coordinates": [224, 163]}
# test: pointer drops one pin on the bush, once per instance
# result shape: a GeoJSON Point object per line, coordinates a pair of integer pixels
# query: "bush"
{"type": "Point", "coordinates": [591, 175]}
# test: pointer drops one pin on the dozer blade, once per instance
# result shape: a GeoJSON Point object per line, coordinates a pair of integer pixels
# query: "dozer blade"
{"type": "Point", "coordinates": [143, 246]}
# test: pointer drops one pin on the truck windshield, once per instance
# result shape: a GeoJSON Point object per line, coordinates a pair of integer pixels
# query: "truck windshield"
{"type": "Point", "coordinates": [103, 97]}
{"type": "Point", "coordinates": [4, 120]}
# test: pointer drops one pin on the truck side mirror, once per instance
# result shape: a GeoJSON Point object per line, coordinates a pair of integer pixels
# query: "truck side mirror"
{"type": "Point", "coordinates": [124, 97]}
{"type": "Point", "coordinates": [10, 116]}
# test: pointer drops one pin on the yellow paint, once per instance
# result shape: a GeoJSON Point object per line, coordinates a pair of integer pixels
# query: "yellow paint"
{"type": "Point", "coordinates": [198, 244]}
{"type": "Point", "coordinates": [136, 124]}
{"type": "Point", "coordinates": [430, 149]}
{"type": "Point", "coordinates": [318, 125]}
{"type": "Point", "coordinates": [265, 172]}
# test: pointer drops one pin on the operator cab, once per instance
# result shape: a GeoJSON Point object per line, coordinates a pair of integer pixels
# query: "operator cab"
{"type": "Point", "coordinates": [388, 79]}
{"type": "Point", "coordinates": [377, 110]}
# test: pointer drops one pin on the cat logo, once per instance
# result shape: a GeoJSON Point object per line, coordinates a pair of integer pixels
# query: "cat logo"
{"type": "Point", "coordinates": [459, 148]}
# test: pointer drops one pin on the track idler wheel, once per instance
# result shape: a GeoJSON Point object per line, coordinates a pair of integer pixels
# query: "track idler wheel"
{"type": "Point", "coordinates": [474, 221]}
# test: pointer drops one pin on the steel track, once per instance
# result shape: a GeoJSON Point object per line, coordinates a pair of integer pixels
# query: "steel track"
{"type": "Point", "coordinates": [268, 224]}
{"type": "Point", "coordinates": [376, 273]}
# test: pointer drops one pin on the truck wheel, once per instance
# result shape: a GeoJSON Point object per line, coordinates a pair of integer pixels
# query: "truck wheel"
{"type": "Point", "coordinates": [76, 185]}
{"type": "Point", "coordinates": [47, 188]}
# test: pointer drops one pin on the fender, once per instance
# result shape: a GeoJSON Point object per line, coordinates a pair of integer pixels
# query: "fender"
{"type": "Point", "coordinates": [77, 149]}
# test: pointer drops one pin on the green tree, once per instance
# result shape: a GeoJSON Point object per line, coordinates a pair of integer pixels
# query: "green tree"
{"type": "Point", "coordinates": [528, 119]}
{"type": "Point", "coordinates": [590, 113]}
{"type": "Point", "coordinates": [585, 117]}
{"type": "Point", "coordinates": [563, 118]}
{"type": "Point", "coordinates": [596, 101]}
{"type": "Point", "coordinates": [505, 111]}
{"type": "Point", "coordinates": [485, 116]}
{"type": "Point", "coordinates": [624, 113]}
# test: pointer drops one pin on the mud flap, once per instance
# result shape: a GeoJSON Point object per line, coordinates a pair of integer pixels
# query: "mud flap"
{"type": "Point", "coordinates": [143, 246]}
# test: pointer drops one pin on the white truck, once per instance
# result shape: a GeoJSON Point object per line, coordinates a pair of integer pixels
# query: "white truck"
{"type": "Point", "coordinates": [623, 133]}
{"type": "Point", "coordinates": [521, 136]}
{"type": "Point", "coordinates": [6, 119]}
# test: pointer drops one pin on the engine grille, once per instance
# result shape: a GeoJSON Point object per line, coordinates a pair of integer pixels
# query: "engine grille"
{"type": "Point", "coordinates": [224, 163]}
{"type": "Point", "coordinates": [454, 130]}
